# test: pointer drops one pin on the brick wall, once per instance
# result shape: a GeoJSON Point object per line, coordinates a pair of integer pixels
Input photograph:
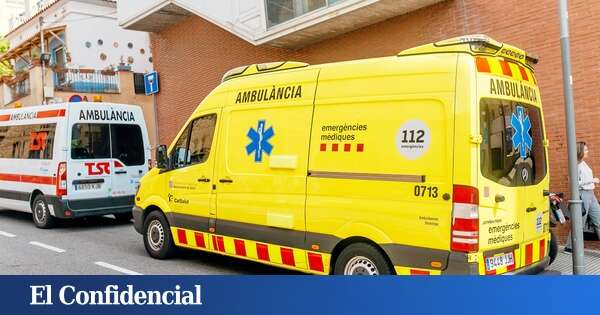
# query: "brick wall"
{"type": "Point", "coordinates": [193, 55]}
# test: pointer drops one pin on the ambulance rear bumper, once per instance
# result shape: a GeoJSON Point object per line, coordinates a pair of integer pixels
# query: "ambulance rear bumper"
{"type": "Point", "coordinates": [532, 269]}
{"type": "Point", "coordinates": [458, 265]}
{"type": "Point", "coordinates": [89, 207]}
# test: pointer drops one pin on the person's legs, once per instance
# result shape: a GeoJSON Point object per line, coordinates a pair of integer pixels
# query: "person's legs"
{"type": "Point", "coordinates": [594, 214]}
{"type": "Point", "coordinates": [587, 199]}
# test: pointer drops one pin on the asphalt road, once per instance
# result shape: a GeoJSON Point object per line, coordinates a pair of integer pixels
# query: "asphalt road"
{"type": "Point", "coordinates": [100, 246]}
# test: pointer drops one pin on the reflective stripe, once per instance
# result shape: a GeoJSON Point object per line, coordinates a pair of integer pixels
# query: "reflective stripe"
{"type": "Point", "coordinates": [464, 240]}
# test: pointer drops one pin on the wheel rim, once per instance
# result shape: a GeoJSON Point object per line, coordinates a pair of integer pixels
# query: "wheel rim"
{"type": "Point", "coordinates": [361, 265]}
{"type": "Point", "coordinates": [39, 212]}
{"type": "Point", "coordinates": [155, 235]}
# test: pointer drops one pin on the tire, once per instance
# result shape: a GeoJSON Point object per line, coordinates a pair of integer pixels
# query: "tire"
{"type": "Point", "coordinates": [157, 236]}
{"type": "Point", "coordinates": [124, 217]}
{"type": "Point", "coordinates": [553, 250]}
{"type": "Point", "coordinates": [361, 259]}
{"type": "Point", "coordinates": [41, 213]}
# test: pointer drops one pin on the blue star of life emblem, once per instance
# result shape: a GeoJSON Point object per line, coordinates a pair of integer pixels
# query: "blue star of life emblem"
{"type": "Point", "coordinates": [521, 139]}
{"type": "Point", "coordinates": [260, 141]}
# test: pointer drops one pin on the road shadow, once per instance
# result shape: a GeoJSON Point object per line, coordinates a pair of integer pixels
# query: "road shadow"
{"type": "Point", "coordinates": [73, 224]}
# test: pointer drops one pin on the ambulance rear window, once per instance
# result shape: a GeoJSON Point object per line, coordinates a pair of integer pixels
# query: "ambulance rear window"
{"type": "Point", "coordinates": [512, 151]}
{"type": "Point", "coordinates": [127, 144]}
{"type": "Point", "coordinates": [90, 141]}
{"type": "Point", "coordinates": [102, 141]}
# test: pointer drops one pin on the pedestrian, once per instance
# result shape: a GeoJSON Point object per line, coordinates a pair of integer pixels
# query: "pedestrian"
{"type": "Point", "coordinates": [587, 184]}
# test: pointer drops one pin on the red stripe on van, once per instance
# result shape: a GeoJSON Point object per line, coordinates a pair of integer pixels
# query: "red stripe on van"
{"type": "Point", "coordinates": [506, 68]}
{"type": "Point", "coordinates": [347, 147]}
{"type": "Point", "coordinates": [490, 272]}
{"type": "Point", "coordinates": [528, 254]}
{"type": "Point", "coordinates": [240, 247]}
{"type": "Point", "coordinates": [315, 262]}
{"type": "Point", "coordinates": [287, 257]}
{"type": "Point", "coordinates": [417, 272]}
{"type": "Point", "coordinates": [4, 117]}
{"type": "Point", "coordinates": [181, 236]}
{"type": "Point", "coordinates": [44, 180]}
{"type": "Point", "coordinates": [51, 113]}
{"type": "Point", "coordinates": [262, 251]}
{"type": "Point", "coordinates": [360, 147]}
{"type": "Point", "coordinates": [482, 64]}
{"type": "Point", "coordinates": [323, 147]}
{"type": "Point", "coordinates": [199, 239]}
{"type": "Point", "coordinates": [523, 73]}
{"type": "Point", "coordinates": [542, 248]}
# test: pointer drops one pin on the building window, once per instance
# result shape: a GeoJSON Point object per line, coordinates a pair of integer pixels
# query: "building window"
{"type": "Point", "coordinates": [138, 83]}
{"type": "Point", "coordinates": [279, 11]}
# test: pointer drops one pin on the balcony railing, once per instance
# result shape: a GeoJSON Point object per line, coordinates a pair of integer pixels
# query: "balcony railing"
{"type": "Point", "coordinates": [86, 81]}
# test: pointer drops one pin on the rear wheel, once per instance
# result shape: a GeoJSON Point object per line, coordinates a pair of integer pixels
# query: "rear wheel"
{"type": "Point", "coordinates": [553, 250]}
{"type": "Point", "coordinates": [123, 217]}
{"type": "Point", "coordinates": [361, 259]}
{"type": "Point", "coordinates": [41, 213]}
{"type": "Point", "coordinates": [157, 236]}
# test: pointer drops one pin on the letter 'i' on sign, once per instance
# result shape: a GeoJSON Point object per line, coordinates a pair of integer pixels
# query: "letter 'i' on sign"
{"type": "Point", "coordinates": [151, 83]}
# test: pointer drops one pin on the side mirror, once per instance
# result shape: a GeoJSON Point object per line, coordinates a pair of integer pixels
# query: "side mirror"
{"type": "Point", "coordinates": [162, 161]}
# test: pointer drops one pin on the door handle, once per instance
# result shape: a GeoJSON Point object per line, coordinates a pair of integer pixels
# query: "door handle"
{"type": "Point", "coordinates": [225, 180]}
{"type": "Point", "coordinates": [203, 180]}
{"type": "Point", "coordinates": [121, 172]}
{"type": "Point", "coordinates": [531, 209]}
{"type": "Point", "coordinates": [499, 198]}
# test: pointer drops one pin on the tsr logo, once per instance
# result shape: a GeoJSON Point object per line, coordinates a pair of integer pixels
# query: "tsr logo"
{"type": "Point", "coordinates": [99, 168]}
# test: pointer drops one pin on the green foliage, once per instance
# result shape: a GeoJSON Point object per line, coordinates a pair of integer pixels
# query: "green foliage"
{"type": "Point", "coordinates": [4, 67]}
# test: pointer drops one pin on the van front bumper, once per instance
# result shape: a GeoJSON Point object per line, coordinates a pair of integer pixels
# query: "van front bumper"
{"type": "Point", "coordinates": [89, 207]}
{"type": "Point", "coordinates": [138, 222]}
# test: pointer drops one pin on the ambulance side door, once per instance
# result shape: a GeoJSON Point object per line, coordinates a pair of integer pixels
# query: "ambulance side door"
{"type": "Point", "coordinates": [191, 178]}
{"type": "Point", "coordinates": [89, 160]}
{"type": "Point", "coordinates": [263, 159]}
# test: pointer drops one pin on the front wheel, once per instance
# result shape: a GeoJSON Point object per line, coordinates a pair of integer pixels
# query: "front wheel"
{"type": "Point", "coordinates": [157, 236]}
{"type": "Point", "coordinates": [553, 250]}
{"type": "Point", "coordinates": [361, 259]}
{"type": "Point", "coordinates": [42, 218]}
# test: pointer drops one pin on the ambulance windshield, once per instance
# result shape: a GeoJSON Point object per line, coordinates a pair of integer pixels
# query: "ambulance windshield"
{"type": "Point", "coordinates": [512, 151]}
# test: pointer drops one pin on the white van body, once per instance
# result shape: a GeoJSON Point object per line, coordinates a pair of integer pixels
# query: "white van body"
{"type": "Point", "coordinates": [104, 147]}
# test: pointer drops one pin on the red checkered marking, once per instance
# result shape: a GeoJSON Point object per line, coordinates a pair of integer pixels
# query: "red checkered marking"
{"type": "Point", "coordinates": [240, 247]}
{"type": "Point", "coordinates": [315, 262]}
{"type": "Point", "coordinates": [262, 251]}
{"type": "Point", "coordinates": [346, 147]}
{"type": "Point", "coordinates": [199, 239]}
{"type": "Point", "coordinates": [181, 236]}
{"type": "Point", "coordinates": [287, 257]}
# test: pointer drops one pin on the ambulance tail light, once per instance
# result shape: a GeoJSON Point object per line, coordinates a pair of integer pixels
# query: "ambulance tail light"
{"type": "Point", "coordinates": [61, 179]}
{"type": "Point", "coordinates": [465, 219]}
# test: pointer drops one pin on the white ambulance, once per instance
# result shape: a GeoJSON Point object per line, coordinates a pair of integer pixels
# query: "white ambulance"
{"type": "Point", "coordinates": [72, 160]}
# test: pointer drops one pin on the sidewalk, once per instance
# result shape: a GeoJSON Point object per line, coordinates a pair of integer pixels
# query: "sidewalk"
{"type": "Point", "coordinates": [563, 265]}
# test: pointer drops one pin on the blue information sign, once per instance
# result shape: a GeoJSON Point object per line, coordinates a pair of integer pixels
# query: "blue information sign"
{"type": "Point", "coordinates": [151, 82]}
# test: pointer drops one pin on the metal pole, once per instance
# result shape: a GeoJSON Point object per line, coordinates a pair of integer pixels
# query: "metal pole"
{"type": "Point", "coordinates": [575, 202]}
{"type": "Point", "coordinates": [156, 135]}
{"type": "Point", "coordinates": [42, 58]}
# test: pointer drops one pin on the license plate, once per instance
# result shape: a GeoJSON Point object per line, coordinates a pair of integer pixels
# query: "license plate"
{"type": "Point", "coordinates": [93, 186]}
{"type": "Point", "coordinates": [499, 261]}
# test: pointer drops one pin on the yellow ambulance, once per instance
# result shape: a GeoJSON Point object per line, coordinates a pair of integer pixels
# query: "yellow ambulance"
{"type": "Point", "coordinates": [430, 162]}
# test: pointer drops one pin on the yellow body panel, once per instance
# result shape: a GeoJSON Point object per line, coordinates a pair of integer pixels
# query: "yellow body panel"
{"type": "Point", "coordinates": [306, 158]}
